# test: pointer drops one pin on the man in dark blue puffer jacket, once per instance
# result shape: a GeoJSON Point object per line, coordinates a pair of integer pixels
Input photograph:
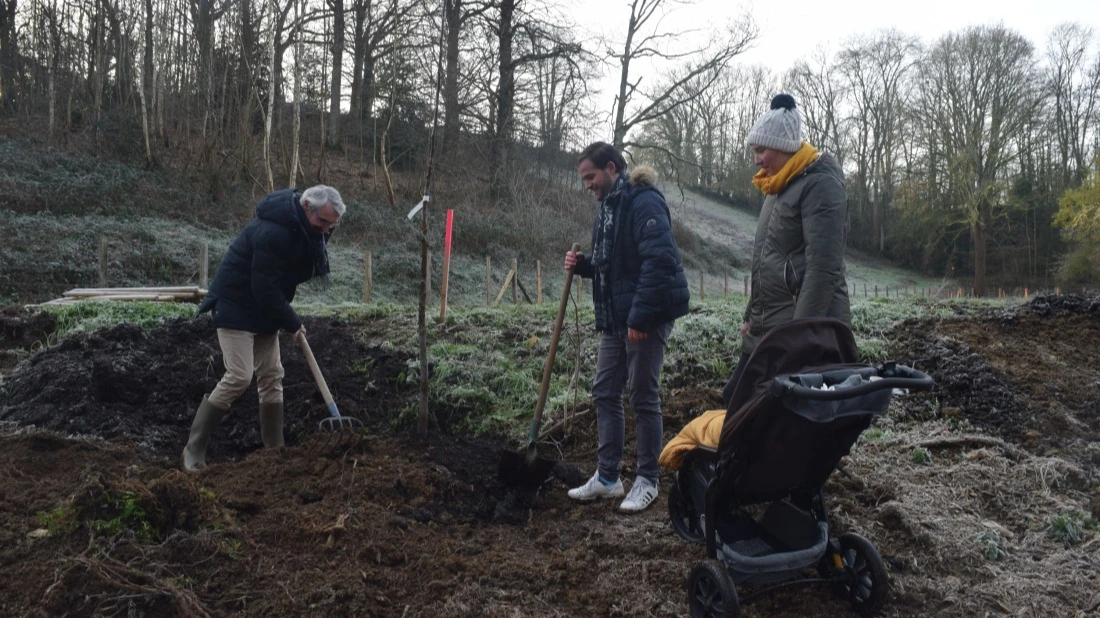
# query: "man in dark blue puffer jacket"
{"type": "Point", "coordinates": [282, 247]}
{"type": "Point", "coordinates": [639, 289]}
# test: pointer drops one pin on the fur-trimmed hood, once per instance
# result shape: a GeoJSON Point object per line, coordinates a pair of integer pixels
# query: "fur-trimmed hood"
{"type": "Point", "coordinates": [642, 175]}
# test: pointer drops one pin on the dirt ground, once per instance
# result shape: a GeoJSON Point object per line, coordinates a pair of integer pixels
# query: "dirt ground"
{"type": "Point", "coordinates": [95, 518]}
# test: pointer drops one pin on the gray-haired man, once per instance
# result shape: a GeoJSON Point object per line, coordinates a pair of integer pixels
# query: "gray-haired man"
{"type": "Point", "coordinates": [283, 246]}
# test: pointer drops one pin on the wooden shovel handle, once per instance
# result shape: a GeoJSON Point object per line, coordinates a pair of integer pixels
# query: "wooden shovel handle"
{"type": "Point", "coordinates": [315, 370]}
{"type": "Point", "coordinates": [548, 369]}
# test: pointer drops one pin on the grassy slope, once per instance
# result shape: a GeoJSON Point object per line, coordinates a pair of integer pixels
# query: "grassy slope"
{"type": "Point", "coordinates": [726, 225]}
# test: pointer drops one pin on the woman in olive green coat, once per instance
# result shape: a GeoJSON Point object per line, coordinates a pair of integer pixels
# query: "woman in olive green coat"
{"type": "Point", "coordinates": [798, 253]}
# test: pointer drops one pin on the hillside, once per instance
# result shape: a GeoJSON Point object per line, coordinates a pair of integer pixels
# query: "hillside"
{"type": "Point", "coordinates": [720, 224]}
{"type": "Point", "coordinates": [58, 207]}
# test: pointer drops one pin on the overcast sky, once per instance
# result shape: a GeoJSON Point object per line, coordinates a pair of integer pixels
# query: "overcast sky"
{"type": "Point", "coordinates": [803, 25]}
{"type": "Point", "coordinates": [793, 29]}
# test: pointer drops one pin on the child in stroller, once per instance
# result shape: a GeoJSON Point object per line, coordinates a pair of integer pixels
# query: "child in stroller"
{"type": "Point", "coordinates": [754, 498]}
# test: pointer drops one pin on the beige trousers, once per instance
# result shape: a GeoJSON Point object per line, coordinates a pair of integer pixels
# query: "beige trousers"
{"type": "Point", "coordinates": [246, 354]}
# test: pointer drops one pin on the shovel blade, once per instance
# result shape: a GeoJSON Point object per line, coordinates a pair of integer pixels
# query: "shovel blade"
{"type": "Point", "coordinates": [524, 468]}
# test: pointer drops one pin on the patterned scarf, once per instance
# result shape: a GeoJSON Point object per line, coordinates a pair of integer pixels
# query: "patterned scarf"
{"type": "Point", "coordinates": [601, 255]}
{"type": "Point", "coordinates": [320, 262]}
{"type": "Point", "coordinates": [318, 242]}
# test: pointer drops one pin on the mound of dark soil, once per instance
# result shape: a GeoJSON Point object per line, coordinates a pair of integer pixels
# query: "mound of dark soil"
{"type": "Point", "coordinates": [22, 330]}
{"type": "Point", "coordinates": [1062, 305]}
{"type": "Point", "coordinates": [124, 381]}
{"type": "Point", "coordinates": [1028, 374]}
{"type": "Point", "coordinates": [388, 525]}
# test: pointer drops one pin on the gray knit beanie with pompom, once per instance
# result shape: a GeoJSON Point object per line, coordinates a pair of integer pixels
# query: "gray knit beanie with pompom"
{"type": "Point", "coordinates": [780, 127]}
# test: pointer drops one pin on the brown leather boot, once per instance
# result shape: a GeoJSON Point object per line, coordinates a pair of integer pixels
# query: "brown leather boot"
{"type": "Point", "coordinates": [271, 424]}
{"type": "Point", "coordinates": [207, 419]}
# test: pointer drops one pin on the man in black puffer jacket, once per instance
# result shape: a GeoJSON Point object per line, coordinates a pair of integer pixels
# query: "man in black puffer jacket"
{"type": "Point", "coordinates": [639, 289]}
{"type": "Point", "coordinates": [282, 247]}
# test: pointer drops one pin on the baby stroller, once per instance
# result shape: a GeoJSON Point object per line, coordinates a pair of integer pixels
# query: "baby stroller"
{"type": "Point", "coordinates": [755, 500]}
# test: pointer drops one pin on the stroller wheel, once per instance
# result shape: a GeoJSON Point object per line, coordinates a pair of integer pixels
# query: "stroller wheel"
{"type": "Point", "coordinates": [711, 592]}
{"type": "Point", "coordinates": [685, 521]}
{"type": "Point", "coordinates": [866, 583]}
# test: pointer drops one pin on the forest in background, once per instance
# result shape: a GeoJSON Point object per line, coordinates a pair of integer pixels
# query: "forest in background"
{"type": "Point", "coordinates": [972, 156]}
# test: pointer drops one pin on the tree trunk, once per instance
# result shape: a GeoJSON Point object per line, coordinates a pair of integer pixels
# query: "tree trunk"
{"type": "Point", "coordinates": [145, 89]}
{"type": "Point", "coordinates": [978, 232]}
{"type": "Point", "coordinates": [9, 55]}
{"type": "Point", "coordinates": [624, 81]}
{"type": "Point", "coordinates": [270, 103]}
{"type": "Point", "coordinates": [506, 91]}
{"type": "Point", "coordinates": [337, 71]}
{"type": "Point", "coordinates": [453, 15]}
{"type": "Point", "coordinates": [360, 12]}
{"type": "Point", "coordinates": [296, 133]}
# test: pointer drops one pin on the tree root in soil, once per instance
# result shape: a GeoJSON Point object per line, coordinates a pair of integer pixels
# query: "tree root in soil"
{"type": "Point", "coordinates": [137, 584]}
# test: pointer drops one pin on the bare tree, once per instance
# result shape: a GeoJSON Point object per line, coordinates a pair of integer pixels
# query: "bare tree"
{"type": "Point", "coordinates": [1075, 88]}
{"type": "Point", "coordinates": [376, 34]}
{"type": "Point", "coordinates": [507, 26]}
{"type": "Point", "coordinates": [977, 89]}
{"type": "Point", "coordinates": [875, 69]}
{"type": "Point", "coordinates": [817, 88]}
{"type": "Point", "coordinates": [456, 14]}
{"type": "Point", "coordinates": [204, 15]}
{"type": "Point", "coordinates": [647, 40]}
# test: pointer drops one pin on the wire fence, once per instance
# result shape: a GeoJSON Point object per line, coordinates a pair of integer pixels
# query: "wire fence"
{"type": "Point", "coordinates": [510, 282]}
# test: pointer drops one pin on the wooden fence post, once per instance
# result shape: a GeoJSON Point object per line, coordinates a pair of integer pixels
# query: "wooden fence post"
{"type": "Point", "coordinates": [746, 285]}
{"type": "Point", "coordinates": [504, 288]}
{"type": "Point", "coordinates": [102, 261]}
{"type": "Point", "coordinates": [538, 281]}
{"type": "Point", "coordinates": [488, 280]}
{"type": "Point", "coordinates": [204, 265]}
{"type": "Point", "coordinates": [515, 282]}
{"type": "Point", "coordinates": [579, 284]}
{"type": "Point", "coordinates": [368, 276]}
{"type": "Point", "coordinates": [702, 287]}
{"type": "Point", "coordinates": [725, 285]}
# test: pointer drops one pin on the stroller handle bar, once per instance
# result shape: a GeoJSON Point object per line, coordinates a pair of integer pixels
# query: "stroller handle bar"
{"type": "Point", "coordinates": [891, 376]}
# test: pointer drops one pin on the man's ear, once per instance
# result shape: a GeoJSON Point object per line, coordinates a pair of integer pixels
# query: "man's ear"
{"type": "Point", "coordinates": [611, 168]}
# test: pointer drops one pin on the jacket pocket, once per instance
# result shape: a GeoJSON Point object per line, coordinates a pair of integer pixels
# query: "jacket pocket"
{"type": "Point", "coordinates": [792, 279]}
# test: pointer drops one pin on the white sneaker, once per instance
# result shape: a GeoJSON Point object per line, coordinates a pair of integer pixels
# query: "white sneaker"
{"type": "Point", "coordinates": [595, 488]}
{"type": "Point", "coordinates": [642, 494]}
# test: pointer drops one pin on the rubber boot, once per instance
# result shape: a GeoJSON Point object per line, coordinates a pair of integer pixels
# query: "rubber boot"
{"type": "Point", "coordinates": [271, 424]}
{"type": "Point", "coordinates": [207, 419]}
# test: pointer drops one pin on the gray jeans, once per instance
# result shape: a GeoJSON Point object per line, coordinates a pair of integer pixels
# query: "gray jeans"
{"type": "Point", "coordinates": [638, 364]}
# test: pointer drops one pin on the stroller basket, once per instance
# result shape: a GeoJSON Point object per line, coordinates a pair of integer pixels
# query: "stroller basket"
{"type": "Point", "coordinates": [785, 538]}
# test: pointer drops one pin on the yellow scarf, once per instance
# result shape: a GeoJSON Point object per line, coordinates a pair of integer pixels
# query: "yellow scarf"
{"type": "Point", "coordinates": [772, 185]}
